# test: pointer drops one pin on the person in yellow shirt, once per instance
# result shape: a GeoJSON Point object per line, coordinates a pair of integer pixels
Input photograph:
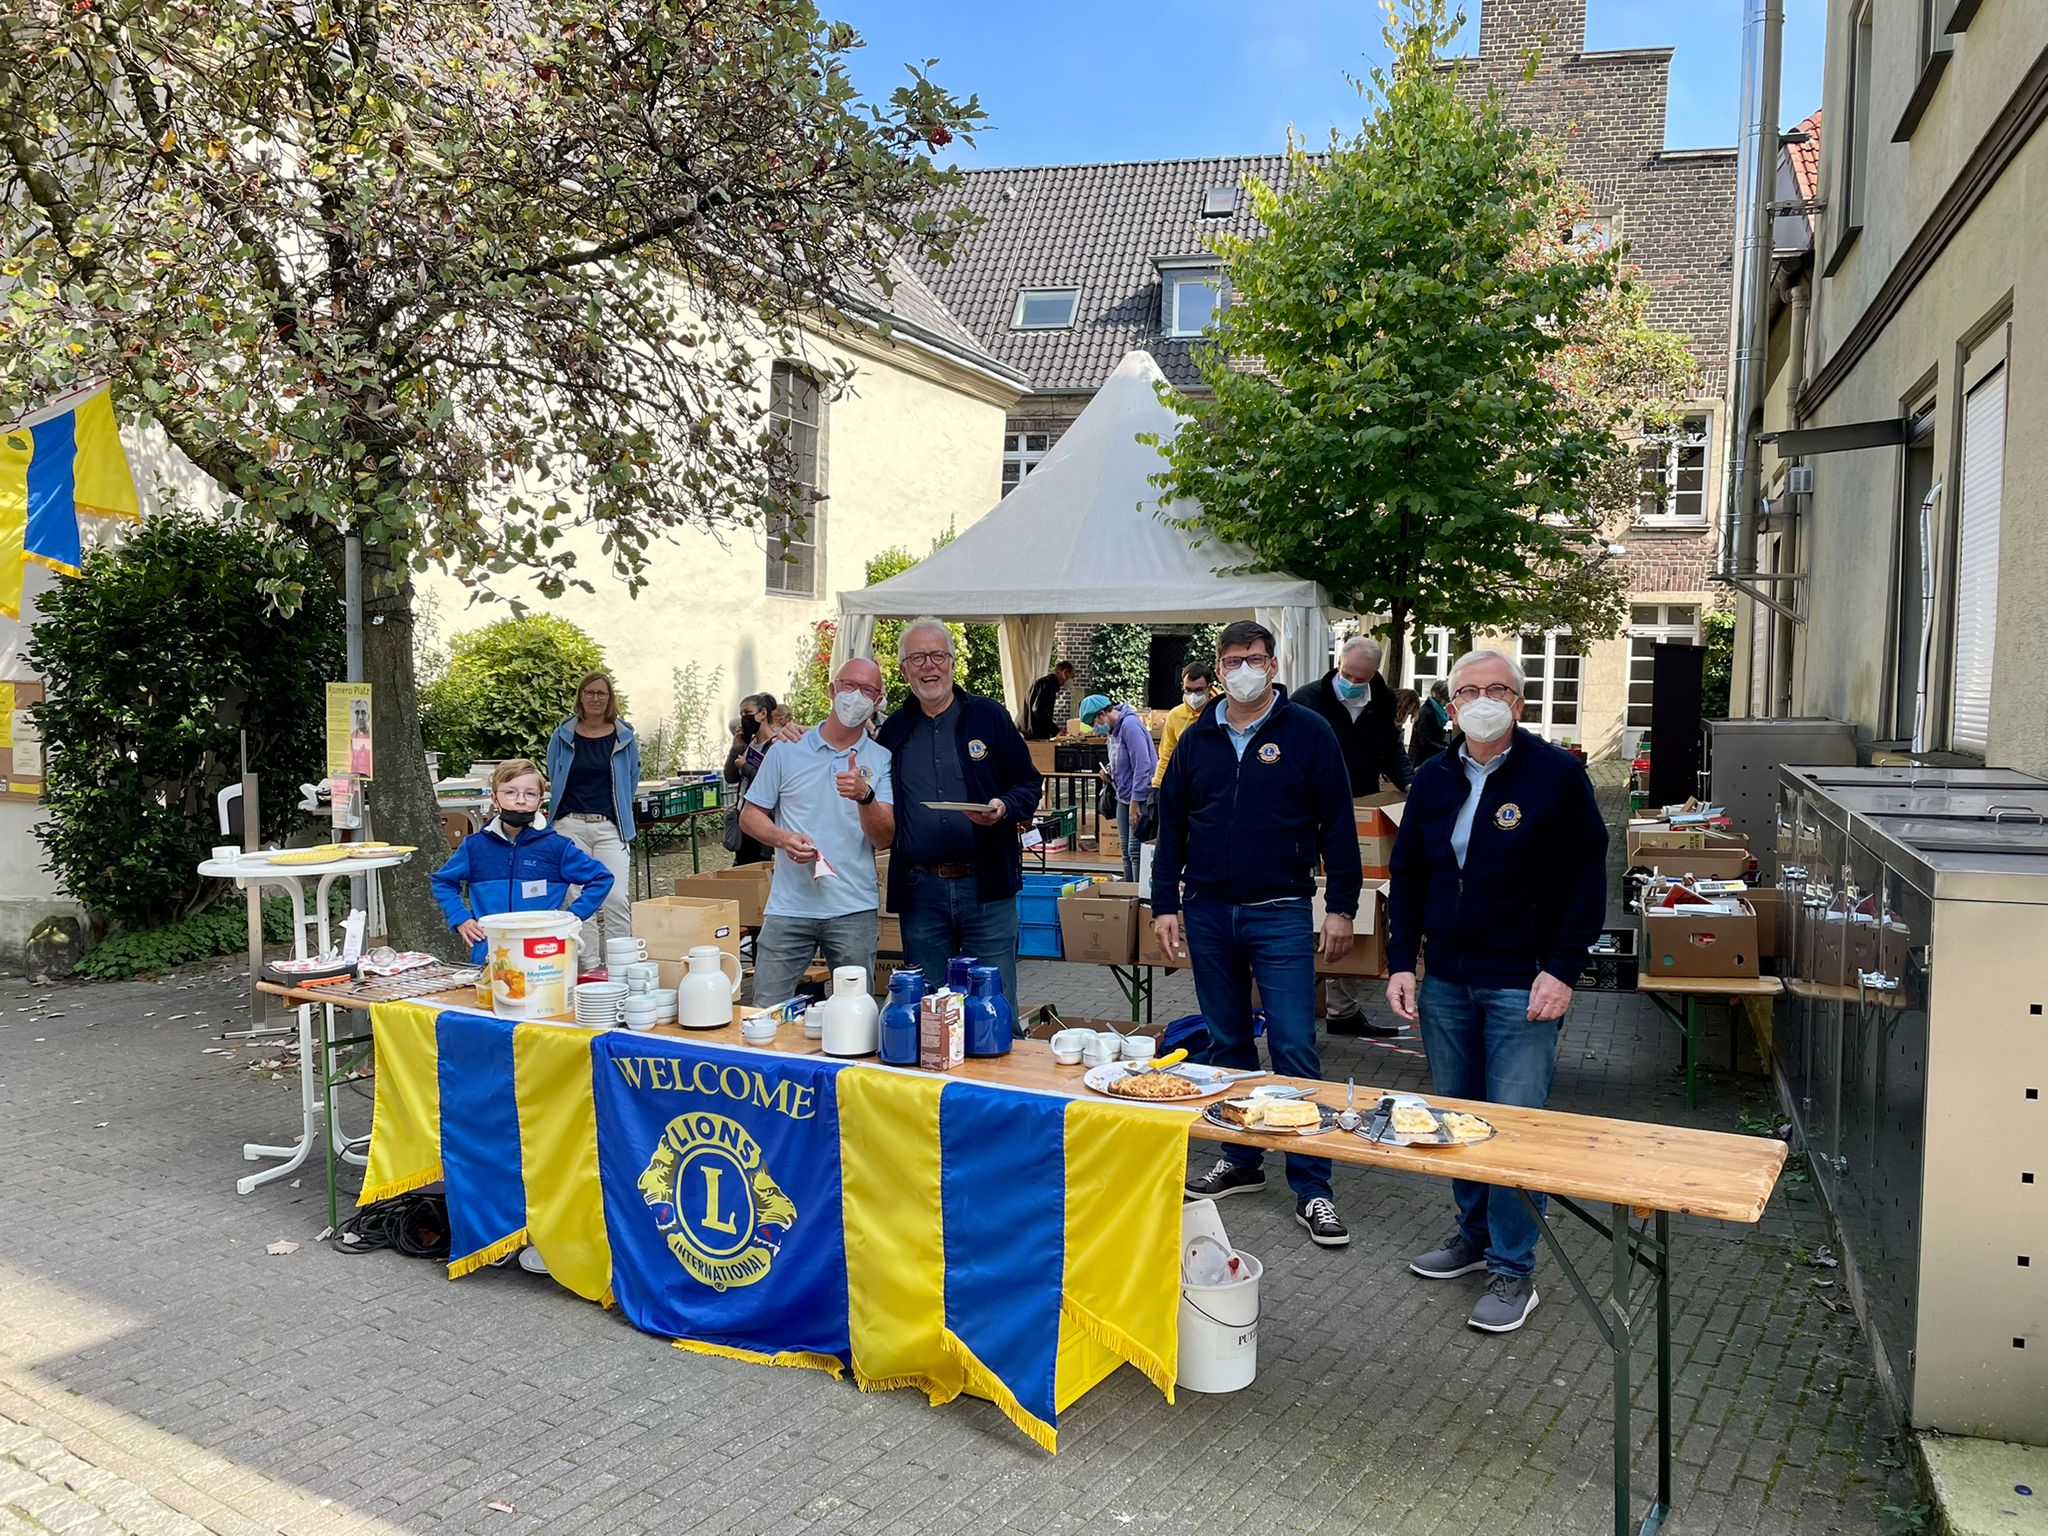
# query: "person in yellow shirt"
{"type": "Point", "coordinates": [1197, 692]}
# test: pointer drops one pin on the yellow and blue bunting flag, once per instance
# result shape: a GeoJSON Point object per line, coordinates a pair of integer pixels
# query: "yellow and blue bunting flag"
{"type": "Point", "coordinates": [947, 1235]}
{"type": "Point", "coordinates": [55, 464]}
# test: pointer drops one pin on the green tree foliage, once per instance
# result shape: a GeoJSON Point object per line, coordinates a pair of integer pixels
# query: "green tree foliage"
{"type": "Point", "coordinates": [809, 691]}
{"type": "Point", "coordinates": [977, 662]}
{"type": "Point", "coordinates": [155, 658]}
{"type": "Point", "coordinates": [1717, 670]}
{"type": "Point", "coordinates": [457, 274]}
{"type": "Point", "coordinates": [1119, 660]}
{"type": "Point", "coordinates": [1392, 410]}
{"type": "Point", "coordinates": [507, 686]}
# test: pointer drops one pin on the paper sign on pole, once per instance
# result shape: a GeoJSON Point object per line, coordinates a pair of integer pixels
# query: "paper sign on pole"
{"type": "Point", "coordinates": [348, 729]}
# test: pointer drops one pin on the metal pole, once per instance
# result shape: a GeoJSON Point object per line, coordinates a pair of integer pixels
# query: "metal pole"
{"type": "Point", "coordinates": [1756, 177]}
{"type": "Point", "coordinates": [252, 839]}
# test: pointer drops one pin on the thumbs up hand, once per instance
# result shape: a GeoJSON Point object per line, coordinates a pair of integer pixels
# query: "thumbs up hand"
{"type": "Point", "coordinates": [850, 784]}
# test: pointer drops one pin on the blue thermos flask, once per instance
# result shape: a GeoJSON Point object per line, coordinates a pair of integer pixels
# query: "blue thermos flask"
{"type": "Point", "coordinates": [897, 1041]}
{"type": "Point", "coordinates": [988, 1013]}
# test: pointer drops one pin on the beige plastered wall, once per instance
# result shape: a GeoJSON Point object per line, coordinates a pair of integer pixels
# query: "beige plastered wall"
{"type": "Point", "coordinates": [913, 446]}
{"type": "Point", "coordinates": [1996, 265]}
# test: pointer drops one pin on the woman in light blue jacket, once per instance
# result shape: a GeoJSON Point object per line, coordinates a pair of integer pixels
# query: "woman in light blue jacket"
{"type": "Point", "coordinates": [594, 767]}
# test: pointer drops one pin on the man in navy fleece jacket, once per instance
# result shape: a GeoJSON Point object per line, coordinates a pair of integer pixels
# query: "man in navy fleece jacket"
{"type": "Point", "coordinates": [1255, 795]}
{"type": "Point", "coordinates": [1499, 886]}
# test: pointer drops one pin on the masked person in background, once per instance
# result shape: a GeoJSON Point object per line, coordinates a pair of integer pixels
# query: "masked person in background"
{"type": "Point", "coordinates": [1499, 886]}
{"type": "Point", "coordinates": [824, 804]}
{"type": "Point", "coordinates": [1359, 706]}
{"type": "Point", "coordinates": [1432, 726]}
{"type": "Point", "coordinates": [1132, 760]}
{"type": "Point", "coordinates": [750, 741]}
{"type": "Point", "coordinates": [1197, 693]}
{"type": "Point", "coordinates": [955, 874]}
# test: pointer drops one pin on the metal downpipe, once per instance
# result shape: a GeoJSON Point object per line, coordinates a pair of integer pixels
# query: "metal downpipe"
{"type": "Point", "coordinates": [1756, 171]}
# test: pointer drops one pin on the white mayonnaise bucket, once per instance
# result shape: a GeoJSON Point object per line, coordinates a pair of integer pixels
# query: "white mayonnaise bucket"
{"type": "Point", "coordinates": [532, 961]}
{"type": "Point", "coordinates": [1219, 1332]}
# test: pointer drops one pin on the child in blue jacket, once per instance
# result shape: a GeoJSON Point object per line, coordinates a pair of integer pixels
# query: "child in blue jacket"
{"type": "Point", "coordinates": [516, 864]}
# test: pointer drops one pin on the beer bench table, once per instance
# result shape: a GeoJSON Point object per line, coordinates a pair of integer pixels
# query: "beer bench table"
{"type": "Point", "coordinates": [1642, 1172]}
{"type": "Point", "coordinates": [1729, 989]}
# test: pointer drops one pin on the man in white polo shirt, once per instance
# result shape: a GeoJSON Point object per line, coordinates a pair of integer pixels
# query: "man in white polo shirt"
{"type": "Point", "coordinates": [823, 803]}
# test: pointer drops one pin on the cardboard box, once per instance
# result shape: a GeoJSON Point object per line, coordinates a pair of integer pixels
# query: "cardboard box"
{"type": "Point", "coordinates": [890, 935]}
{"type": "Point", "coordinates": [747, 885]}
{"type": "Point", "coordinates": [1099, 925]}
{"type": "Point", "coordinates": [672, 926]}
{"type": "Point", "coordinates": [1700, 943]}
{"type": "Point", "coordinates": [1378, 818]}
{"type": "Point", "coordinates": [942, 1031]}
{"type": "Point", "coordinates": [1845, 947]}
{"type": "Point", "coordinates": [1722, 856]}
{"type": "Point", "coordinates": [1774, 909]}
{"type": "Point", "coordinates": [1148, 950]}
{"type": "Point", "coordinates": [1368, 953]}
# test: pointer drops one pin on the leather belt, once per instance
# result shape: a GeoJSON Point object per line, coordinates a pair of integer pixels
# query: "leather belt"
{"type": "Point", "coordinates": [947, 871]}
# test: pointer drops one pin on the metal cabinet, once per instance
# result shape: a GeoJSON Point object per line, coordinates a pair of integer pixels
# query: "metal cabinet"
{"type": "Point", "coordinates": [1920, 1090]}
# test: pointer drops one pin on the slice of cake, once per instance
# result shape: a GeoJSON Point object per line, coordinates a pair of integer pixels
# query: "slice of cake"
{"type": "Point", "coordinates": [1413, 1120]}
{"type": "Point", "coordinates": [1289, 1114]}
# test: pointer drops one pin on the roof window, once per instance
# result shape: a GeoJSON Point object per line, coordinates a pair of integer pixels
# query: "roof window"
{"type": "Point", "coordinates": [1045, 309]}
{"type": "Point", "coordinates": [1219, 202]}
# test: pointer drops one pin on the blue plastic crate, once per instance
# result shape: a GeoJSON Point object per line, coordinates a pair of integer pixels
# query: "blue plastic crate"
{"type": "Point", "coordinates": [1039, 941]}
{"type": "Point", "coordinates": [1038, 903]}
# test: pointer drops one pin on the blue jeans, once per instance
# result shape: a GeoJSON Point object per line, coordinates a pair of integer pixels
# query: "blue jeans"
{"type": "Point", "coordinates": [1230, 947]}
{"type": "Point", "coordinates": [1482, 1044]}
{"type": "Point", "coordinates": [785, 947]}
{"type": "Point", "coordinates": [1127, 816]}
{"type": "Point", "coordinates": [943, 918]}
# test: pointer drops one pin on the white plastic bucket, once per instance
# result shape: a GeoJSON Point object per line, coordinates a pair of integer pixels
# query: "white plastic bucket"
{"type": "Point", "coordinates": [1219, 1332]}
{"type": "Point", "coordinates": [531, 958]}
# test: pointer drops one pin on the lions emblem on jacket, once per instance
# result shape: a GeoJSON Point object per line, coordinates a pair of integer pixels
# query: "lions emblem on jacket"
{"type": "Point", "coordinates": [714, 1201]}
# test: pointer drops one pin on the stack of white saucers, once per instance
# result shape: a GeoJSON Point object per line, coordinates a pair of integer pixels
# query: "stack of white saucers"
{"type": "Point", "coordinates": [599, 1004]}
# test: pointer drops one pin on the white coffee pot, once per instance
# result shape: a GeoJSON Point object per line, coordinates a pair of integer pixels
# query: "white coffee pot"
{"type": "Point", "coordinates": [703, 998]}
{"type": "Point", "coordinates": [849, 1014]}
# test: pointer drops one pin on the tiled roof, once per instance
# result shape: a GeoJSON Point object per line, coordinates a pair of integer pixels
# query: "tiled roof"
{"type": "Point", "coordinates": [1805, 157]}
{"type": "Point", "coordinates": [915, 313]}
{"type": "Point", "coordinates": [1093, 227]}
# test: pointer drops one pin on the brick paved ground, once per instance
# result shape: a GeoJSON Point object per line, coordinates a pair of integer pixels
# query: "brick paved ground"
{"type": "Point", "coordinates": [160, 1373]}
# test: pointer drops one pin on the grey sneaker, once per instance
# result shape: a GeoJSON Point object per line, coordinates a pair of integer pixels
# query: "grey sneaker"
{"type": "Point", "coordinates": [1506, 1305]}
{"type": "Point", "coordinates": [1456, 1257]}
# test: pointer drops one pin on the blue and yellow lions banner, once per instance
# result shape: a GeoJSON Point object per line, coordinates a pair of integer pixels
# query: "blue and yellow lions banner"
{"type": "Point", "coordinates": [932, 1232]}
{"type": "Point", "coordinates": [721, 1197]}
{"type": "Point", "coordinates": [56, 463]}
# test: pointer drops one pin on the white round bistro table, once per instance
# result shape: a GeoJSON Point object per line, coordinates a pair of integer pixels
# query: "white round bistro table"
{"type": "Point", "coordinates": [312, 936]}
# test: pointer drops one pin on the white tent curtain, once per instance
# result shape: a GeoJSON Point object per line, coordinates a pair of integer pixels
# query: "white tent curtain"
{"type": "Point", "coordinates": [1024, 646]}
{"type": "Point", "coordinates": [1301, 638]}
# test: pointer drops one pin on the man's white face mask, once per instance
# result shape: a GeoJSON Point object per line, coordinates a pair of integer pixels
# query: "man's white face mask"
{"type": "Point", "coordinates": [1484, 720]}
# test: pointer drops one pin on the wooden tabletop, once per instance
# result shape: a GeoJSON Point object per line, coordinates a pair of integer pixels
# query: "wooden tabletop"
{"type": "Point", "coordinates": [1636, 1163]}
{"type": "Point", "coordinates": [1712, 986]}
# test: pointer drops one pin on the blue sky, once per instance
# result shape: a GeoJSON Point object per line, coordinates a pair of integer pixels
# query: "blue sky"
{"type": "Point", "coordinates": [1072, 80]}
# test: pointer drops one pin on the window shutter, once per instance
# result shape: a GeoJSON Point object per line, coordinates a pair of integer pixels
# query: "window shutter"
{"type": "Point", "coordinates": [1977, 564]}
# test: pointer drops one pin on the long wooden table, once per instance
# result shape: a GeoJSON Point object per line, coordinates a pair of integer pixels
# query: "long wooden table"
{"type": "Point", "coordinates": [1688, 989]}
{"type": "Point", "coordinates": [1644, 1173]}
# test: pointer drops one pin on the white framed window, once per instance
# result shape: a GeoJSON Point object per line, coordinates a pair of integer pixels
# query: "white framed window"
{"type": "Point", "coordinates": [1045, 309]}
{"type": "Point", "coordinates": [1593, 233]}
{"type": "Point", "coordinates": [797, 409]}
{"type": "Point", "coordinates": [1430, 656]}
{"type": "Point", "coordinates": [1672, 485]}
{"type": "Point", "coordinates": [1649, 626]}
{"type": "Point", "coordinates": [1550, 688]}
{"type": "Point", "coordinates": [1189, 299]}
{"type": "Point", "coordinates": [1976, 599]}
{"type": "Point", "coordinates": [1021, 454]}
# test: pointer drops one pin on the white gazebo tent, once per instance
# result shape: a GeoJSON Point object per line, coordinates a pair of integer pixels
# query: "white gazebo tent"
{"type": "Point", "coordinates": [1082, 537]}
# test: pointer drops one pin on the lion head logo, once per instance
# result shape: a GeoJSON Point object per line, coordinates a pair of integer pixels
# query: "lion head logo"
{"type": "Point", "coordinates": [714, 1201]}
